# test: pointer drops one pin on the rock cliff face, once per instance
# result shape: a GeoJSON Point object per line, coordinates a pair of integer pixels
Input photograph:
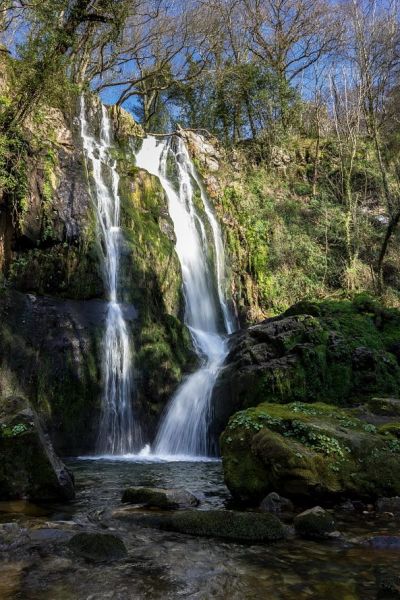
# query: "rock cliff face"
{"type": "Point", "coordinates": [52, 302]}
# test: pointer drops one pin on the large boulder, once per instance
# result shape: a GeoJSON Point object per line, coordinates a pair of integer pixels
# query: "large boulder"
{"type": "Point", "coordinates": [340, 353]}
{"type": "Point", "coordinates": [29, 468]}
{"type": "Point", "coordinates": [308, 451]}
{"type": "Point", "coordinates": [225, 524]}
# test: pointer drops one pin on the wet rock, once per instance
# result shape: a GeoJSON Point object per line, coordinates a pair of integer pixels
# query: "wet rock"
{"type": "Point", "coordinates": [275, 503]}
{"type": "Point", "coordinates": [315, 523]}
{"type": "Point", "coordinates": [348, 506]}
{"type": "Point", "coordinates": [29, 467]}
{"type": "Point", "coordinates": [205, 151]}
{"type": "Point", "coordinates": [224, 524]}
{"type": "Point", "coordinates": [307, 355]}
{"type": "Point", "coordinates": [387, 407]}
{"type": "Point", "coordinates": [12, 536]}
{"type": "Point", "coordinates": [98, 547]}
{"type": "Point", "coordinates": [389, 505]}
{"type": "Point", "coordinates": [57, 565]}
{"type": "Point", "coordinates": [160, 498]}
{"type": "Point", "coordinates": [48, 535]}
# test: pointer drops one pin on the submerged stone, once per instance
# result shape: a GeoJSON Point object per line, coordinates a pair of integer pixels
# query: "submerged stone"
{"type": "Point", "coordinates": [388, 582]}
{"type": "Point", "coordinates": [98, 547]}
{"type": "Point", "coordinates": [160, 498]}
{"type": "Point", "coordinates": [315, 523]}
{"type": "Point", "coordinates": [224, 524]}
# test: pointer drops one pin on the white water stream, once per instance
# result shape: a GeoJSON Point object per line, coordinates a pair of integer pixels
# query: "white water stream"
{"type": "Point", "coordinates": [185, 426]}
{"type": "Point", "coordinates": [119, 433]}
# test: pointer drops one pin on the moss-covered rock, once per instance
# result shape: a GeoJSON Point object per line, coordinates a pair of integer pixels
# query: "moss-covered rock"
{"type": "Point", "coordinates": [335, 352]}
{"type": "Point", "coordinates": [308, 451]}
{"type": "Point", "coordinates": [151, 280]}
{"type": "Point", "coordinates": [29, 467]}
{"type": "Point", "coordinates": [314, 523]}
{"type": "Point", "coordinates": [160, 498]}
{"type": "Point", "coordinates": [51, 334]}
{"type": "Point", "coordinates": [387, 407]}
{"type": "Point", "coordinates": [98, 547]}
{"type": "Point", "coordinates": [225, 524]}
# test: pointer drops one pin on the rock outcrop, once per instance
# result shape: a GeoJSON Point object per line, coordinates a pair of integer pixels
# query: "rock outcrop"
{"type": "Point", "coordinates": [339, 353]}
{"type": "Point", "coordinates": [29, 468]}
{"type": "Point", "coordinates": [308, 451]}
{"type": "Point", "coordinates": [296, 371]}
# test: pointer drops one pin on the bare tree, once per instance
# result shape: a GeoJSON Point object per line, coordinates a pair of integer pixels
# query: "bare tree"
{"type": "Point", "coordinates": [375, 52]}
{"type": "Point", "coordinates": [346, 98]}
{"type": "Point", "coordinates": [290, 35]}
{"type": "Point", "coordinates": [154, 52]}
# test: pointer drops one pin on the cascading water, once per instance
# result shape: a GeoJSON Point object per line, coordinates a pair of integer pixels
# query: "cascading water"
{"type": "Point", "coordinates": [184, 428]}
{"type": "Point", "coordinates": [118, 433]}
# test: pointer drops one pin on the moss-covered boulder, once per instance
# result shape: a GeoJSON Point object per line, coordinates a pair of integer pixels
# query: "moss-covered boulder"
{"type": "Point", "coordinates": [98, 547]}
{"type": "Point", "coordinates": [335, 352]}
{"type": "Point", "coordinates": [160, 498]}
{"type": "Point", "coordinates": [224, 524]}
{"type": "Point", "coordinates": [308, 451]}
{"type": "Point", "coordinates": [29, 468]}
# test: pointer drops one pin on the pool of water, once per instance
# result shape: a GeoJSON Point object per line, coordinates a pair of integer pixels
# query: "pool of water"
{"type": "Point", "coordinates": [168, 566]}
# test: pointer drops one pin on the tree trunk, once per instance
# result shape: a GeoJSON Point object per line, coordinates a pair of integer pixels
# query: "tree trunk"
{"type": "Point", "coordinates": [391, 228]}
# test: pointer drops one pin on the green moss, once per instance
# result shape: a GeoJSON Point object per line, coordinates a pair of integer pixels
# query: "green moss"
{"type": "Point", "coordinates": [306, 449]}
{"type": "Point", "coordinates": [62, 270]}
{"type": "Point", "coordinates": [315, 523]}
{"type": "Point", "coordinates": [390, 429]}
{"type": "Point", "coordinates": [385, 406]}
{"type": "Point", "coordinates": [224, 524]}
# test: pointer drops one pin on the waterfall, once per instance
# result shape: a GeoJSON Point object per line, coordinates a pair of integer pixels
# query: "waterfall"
{"type": "Point", "coordinates": [184, 427]}
{"type": "Point", "coordinates": [118, 432]}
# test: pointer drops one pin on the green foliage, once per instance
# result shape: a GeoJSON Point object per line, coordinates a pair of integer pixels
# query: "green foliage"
{"type": "Point", "coordinates": [15, 430]}
{"type": "Point", "coordinates": [13, 172]}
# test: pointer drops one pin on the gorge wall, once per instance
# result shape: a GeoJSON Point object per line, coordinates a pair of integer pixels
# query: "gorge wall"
{"type": "Point", "coordinates": [52, 301]}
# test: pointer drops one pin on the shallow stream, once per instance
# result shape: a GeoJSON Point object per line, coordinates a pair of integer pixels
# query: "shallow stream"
{"type": "Point", "coordinates": [38, 565]}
